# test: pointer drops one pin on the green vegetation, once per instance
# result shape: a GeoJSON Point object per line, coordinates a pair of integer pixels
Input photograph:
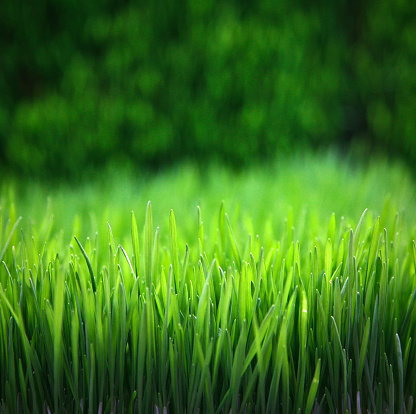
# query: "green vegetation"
{"type": "Point", "coordinates": [143, 82]}
{"type": "Point", "coordinates": [279, 306]}
{"type": "Point", "coordinates": [320, 184]}
{"type": "Point", "coordinates": [295, 119]}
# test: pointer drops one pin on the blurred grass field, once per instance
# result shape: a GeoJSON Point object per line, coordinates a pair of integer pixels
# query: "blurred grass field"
{"type": "Point", "coordinates": [304, 184]}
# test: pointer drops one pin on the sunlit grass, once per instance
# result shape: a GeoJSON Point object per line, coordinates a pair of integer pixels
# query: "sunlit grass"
{"type": "Point", "coordinates": [278, 306]}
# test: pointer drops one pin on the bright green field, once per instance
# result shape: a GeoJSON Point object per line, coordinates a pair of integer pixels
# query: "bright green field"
{"type": "Point", "coordinates": [260, 300]}
{"type": "Point", "coordinates": [305, 185]}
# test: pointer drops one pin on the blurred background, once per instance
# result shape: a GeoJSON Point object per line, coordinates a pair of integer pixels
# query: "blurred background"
{"type": "Point", "coordinates": [85, 84]}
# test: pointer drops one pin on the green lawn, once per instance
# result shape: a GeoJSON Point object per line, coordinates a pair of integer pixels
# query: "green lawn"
{"type": "Point", "coordinates": [259, 300]}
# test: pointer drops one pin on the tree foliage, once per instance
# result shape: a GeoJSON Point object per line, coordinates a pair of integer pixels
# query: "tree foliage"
{"type": "Point", "coordinates": [83, 83]}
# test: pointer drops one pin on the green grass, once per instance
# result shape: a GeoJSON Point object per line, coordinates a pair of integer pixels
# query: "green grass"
{"type": "Point", "coordinates": [280, 306]}
{"type": "Point", "coordinates": [305, 184]}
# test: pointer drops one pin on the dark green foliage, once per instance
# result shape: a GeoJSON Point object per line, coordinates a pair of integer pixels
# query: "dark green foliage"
{"type": "Point", "coordinates": [82, 83]}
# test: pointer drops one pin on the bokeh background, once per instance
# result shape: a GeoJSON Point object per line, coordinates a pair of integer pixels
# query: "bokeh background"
{"type": "Point", "coordinates": [147, 84]}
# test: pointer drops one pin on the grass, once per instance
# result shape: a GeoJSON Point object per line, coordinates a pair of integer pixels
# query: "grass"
{"type": "Point", "coordinates": [281, 306]}
{"type": "Point", "coordinates": [305, 184]}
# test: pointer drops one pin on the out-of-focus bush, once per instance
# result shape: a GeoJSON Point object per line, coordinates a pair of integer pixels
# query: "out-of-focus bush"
{"type": "Point", "coordinates": [82, 83]}
{"type": "Point", "coordinates": [385, 67]}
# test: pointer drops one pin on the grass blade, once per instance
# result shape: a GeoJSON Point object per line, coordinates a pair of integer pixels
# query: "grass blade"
{"type": "Point", "coordinates": [87, 260]}
{"type": "Point", "coordinates": [6, 245]}
{"type": "Point", "coordinates": [148, 245]}
{"type": "Point", "coordinates": [313, 389]}
{"type": "Point", "coordinates": [233, 242]}
{"type": "Point", "coordinates": [136, 244]}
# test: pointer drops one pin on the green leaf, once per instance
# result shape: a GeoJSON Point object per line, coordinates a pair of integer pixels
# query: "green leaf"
{"type": "Point", "coordinates": [328, 259]}
{"type": "Point", "coordinates": [136, 245]}
{"type": "Point", "coordinates": [331, 227]}
{"type": "Point", "coordinates": [127, 259]}
{"type": "Point", "coordinates": [6, 245]}
{"type": "Point", "coordinates": [358, 229]}
{"type": "Point", "coordinates": [174, 251]}
{"type": "Point", "coordinates": [233, 242]}
{"type": "Point", "coordinates": [221, 227]}
{"type": "Point", "coordinates": [57, 339]}
{"type": "Point", "coordinates": [373, 247]}
{"type": "Point", "coordinates": [237, 367]}
{"type": "Point", "coordinates": [399, 357]}
{"type": "Point", "coordinates": [148, 244]}
{"type": "Point", "coordinates": [313, 389]}
{"type": "Point", "coordinates": [363, 349]}
{"type": "Point", "coordinates": [87, 260]}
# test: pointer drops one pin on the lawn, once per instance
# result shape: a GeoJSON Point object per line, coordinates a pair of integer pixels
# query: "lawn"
{"type": "Point", "coordinates": [288, 287]}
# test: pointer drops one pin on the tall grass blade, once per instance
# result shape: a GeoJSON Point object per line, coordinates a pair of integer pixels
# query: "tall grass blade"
{"type": "Point", "coordinates": [57, 336]}
{"type": "Point", "coordinates": [237, 368]}
{"type": "Point", "coordinates": [233, 242]}
{"type": "Point", "coordinates": [363, 349]}
{"type": "Point", "coordinates": [174, 249]}
{"type": "Point", "coordinates": [148, 244]}
{"type": "Point", "coordinates": [313, 389]}
{"type": "Point", "coordinates": [399, 357]}
{"type": "Point", "coordinates": [6, 245]}
{"type": "Point", "coordinates": [136, 244]}
{"type": "Point", "coordinates": [87, 260]}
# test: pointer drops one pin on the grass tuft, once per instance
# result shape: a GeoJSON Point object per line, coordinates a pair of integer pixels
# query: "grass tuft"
{"type": "Point", "coordinates": [268, 309]}
{"type": "Point", "coordinates": [322, 326]}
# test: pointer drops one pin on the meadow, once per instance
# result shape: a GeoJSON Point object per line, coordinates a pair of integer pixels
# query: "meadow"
{"type": "Point", "coordinates": [287, 287]}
